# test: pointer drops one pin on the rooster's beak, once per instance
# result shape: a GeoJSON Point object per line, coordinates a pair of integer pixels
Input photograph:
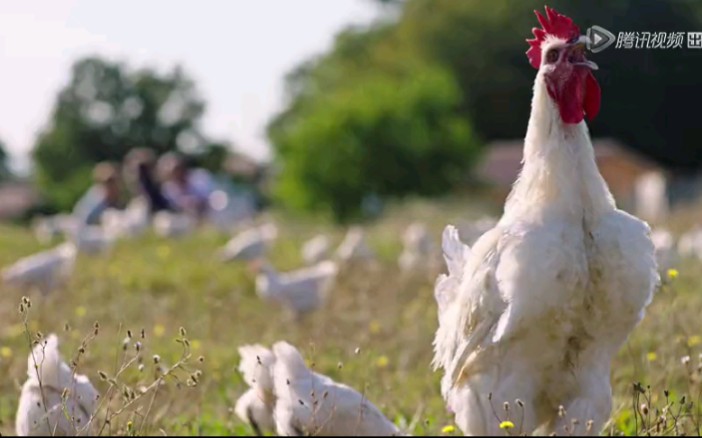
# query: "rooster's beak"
{"type": "Point", "coordinates": [584, 41]}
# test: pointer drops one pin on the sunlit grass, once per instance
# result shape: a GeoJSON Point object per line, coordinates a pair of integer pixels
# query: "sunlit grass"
{"type": "Point", "coordinates": [375, 334]}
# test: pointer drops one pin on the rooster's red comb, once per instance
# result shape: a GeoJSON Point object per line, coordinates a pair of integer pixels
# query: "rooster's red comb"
{"type": "Point", "coordinates": [556, 25]}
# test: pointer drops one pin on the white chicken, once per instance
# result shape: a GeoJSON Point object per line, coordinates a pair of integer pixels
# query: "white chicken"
{"type": "Point", "coordinates": [131, 222]}
{"type": "Point", "coordinates": [418, 249]}
{"type": "Point", "coordinates": [170, 225]}
{"type": "Point", "coordinates": [42, 411]}
{"type": "Point", "coordinates": [316, 249]}
{"type": "Point", "coordinates": [49, 228]}
{"type": "Point", "coordinates": [666, 249]}
{"type": "Point", "coordinates": [299, 292]}
{"type": "Point", "coordinates": [250, 244]}
{"type": "Point", "coordinates": [310, 404]}
{"type": "Point", "coordinates": [256, 405]}
{"type": "Point", "coordinates": [90, 239]}
{"type": "Point", "coordinates": [539, 306]}
{"type": "Point", "coordinates": [44, 271]}
{"type": "Point", "coordinates": [354, 246]}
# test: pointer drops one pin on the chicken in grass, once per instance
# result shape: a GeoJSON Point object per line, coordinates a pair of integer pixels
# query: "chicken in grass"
{"type": "Point", "coordinates": [354, 246]}
{"type": "Point", "coordinates": [418, 249]}
{"type": "Point", "coordinates": [316, 249]}
{"type": "Point", "coordinates": [256, 405]}
{"type": "Point", "coordinates": [298, 292]}
{"type": "Point", "coordinates": [249, 245]}
{"type": "Point", "coordinates": [54, 401]}
{"type": "Point", "coordinates": [171, 225]}
{"type": "Point", "coordinates": [44, 271]}
{"type": "Point", "coordinates": [539, 306]}
{"type": "Point", "coordinates": [311, 404]}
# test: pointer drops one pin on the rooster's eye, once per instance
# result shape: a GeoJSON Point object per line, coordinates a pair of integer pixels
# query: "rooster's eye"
{"type": "Point", "coordinates": [552, 56]}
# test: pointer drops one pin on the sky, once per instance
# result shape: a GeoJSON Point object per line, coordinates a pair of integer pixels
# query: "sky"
{"type": "Point", "coordinates": [237, 51]}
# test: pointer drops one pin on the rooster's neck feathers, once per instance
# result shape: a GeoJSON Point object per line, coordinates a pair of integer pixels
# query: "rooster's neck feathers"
{"type": "Point", "coordinates": [559, 173]}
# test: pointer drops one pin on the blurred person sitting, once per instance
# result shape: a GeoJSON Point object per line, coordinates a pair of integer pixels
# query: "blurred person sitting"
{"type": "Point", "coordinates": [105, 193]}
{"type": "Point", "coordinates": [187, 189]}
{"type": "Point", "coordinates": [139, 169]}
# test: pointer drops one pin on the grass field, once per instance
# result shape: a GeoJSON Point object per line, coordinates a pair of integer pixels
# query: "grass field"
{"type": "Point", "coordinates": [158, 286]}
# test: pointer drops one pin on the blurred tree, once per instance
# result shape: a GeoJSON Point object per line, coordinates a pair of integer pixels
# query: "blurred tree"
{"type": "Point", "coordinates": [382, 135]}
{"type": "Point", "coordinates": [212, 156]}
{"type": "Point", "coordinates": [4, 165]}
{"type": "Point", "coordinates": [102, 113]}
{"type": "Point", "coordinates": [649, 95]}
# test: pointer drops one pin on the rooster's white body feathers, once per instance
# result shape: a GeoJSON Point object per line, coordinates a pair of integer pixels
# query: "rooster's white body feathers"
{"type": "Point", "coordinates": [541, 303]}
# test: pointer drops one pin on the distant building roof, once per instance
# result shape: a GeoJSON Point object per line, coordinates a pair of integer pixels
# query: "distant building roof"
{"type": "Point", "coordinates": [503, 159]}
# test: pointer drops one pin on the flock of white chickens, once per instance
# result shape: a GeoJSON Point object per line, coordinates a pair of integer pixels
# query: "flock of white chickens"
{"type": "Point", "coordinates": [285, 396]}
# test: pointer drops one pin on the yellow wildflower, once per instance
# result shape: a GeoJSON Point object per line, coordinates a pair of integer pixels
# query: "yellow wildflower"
{"type": "Point", "coordinates": [195, 344]}
{"type": "Point", "coordinates": [448, 429]}
{"type": "Point", "coordinates": [673, 273]}
{"type": "Point", "coordinates": [506, 425]}
{"type": "Point", "coordinates": [159, 330]}
{"type": "Point", "coordinates": [374, 327]}
{"type": "Point", "coordinates": [81, 311]}
{"type": "Point", "coordinates": [694, 340]}
{"type": "Point", "coordinates": [6, 352]}
{"type": "Point", "coordinates": [652, 356]}
{"type": "Point", "coordinates": [382, 361]}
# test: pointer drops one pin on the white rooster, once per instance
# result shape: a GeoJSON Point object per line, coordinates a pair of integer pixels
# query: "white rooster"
{"type": "Point", "coordinates": [299, 292]}
{"type": "Point", "coordinates": [539, 306]}
{"type": "Point", "coordinates": [45, 271]}
{"type": "Point", "coordinates": [250, 244]}
{"type": "Point", "coordinates": [310, 404]}
{"type": "Point", "coordinates": [316, 249]}
{"type": "Point", "coordinates": [42, 410]}
{"type": "Point", "coordinates": [256, 405]}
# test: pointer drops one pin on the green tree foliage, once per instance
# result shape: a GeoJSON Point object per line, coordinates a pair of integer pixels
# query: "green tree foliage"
{"type": "Point", "coordinates": [351, 132]}
{"type": "Point", "coordinates": [103, 112]}
{"type": "Point", "coordinates": [649, 95]}
{"type": "Point", "coordinates": [4, 165]}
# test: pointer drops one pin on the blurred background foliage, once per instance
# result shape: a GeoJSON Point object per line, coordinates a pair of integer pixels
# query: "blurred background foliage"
{"type": "Point", "coordinates": [4, 167]}
{"type": "Point", "coordinates": [399, 107]}
{"type": "Point", "coordinates": [466, 58]}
